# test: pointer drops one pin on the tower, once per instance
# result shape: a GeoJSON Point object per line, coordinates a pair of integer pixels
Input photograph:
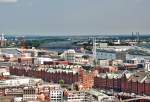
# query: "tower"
{"type": "Point", "coordinates": [138, 37]}
{"type": "Point", "coordinates": [132, 36]}
{"type": "Point", "coordinates": [94, 50]}
{"type": "Point", "coordinates": [2, 40]}
{"type": "Point", "coordinates": [2, 36]}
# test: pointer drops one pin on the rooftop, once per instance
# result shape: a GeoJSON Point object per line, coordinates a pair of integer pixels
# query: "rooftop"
{"type": "Point", "coordinates": [106, 51]}
{"type": "Point", "coordinates": [140, 76]}
{"type": "Point", "coordinates": [96, 93]}
{"type": "Point", "coordinates": [14, 81]}
{"type": "Point", "coordinates": [138, 52]}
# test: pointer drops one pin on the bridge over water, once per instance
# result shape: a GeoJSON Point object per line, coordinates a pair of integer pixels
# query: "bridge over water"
{"type": "Point", "coordinates": [137, 98]}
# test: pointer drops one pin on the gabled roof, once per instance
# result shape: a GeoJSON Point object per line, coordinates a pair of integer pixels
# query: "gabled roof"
{"type": "Point", "coordinates": [140, 76]}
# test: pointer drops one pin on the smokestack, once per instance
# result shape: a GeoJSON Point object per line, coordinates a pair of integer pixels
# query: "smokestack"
{"type": "Point", "coordinates": [138, 36]}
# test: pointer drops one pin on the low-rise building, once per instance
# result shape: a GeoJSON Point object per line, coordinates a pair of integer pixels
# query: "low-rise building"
{"type": "Point", "coordinates": [41, 60]}
{"type": "Point", "coordinates": [105, 54]}
{"type": "Point", "coordinates": [30, 93]}
{"type": "Point", "coordinates": [15, 81]}
{"type": "Point", "coordinates": [56, 95]}
{"type": "Point", "coordinates": [116, 62]}
{"type": "Point", "coordinates": [100, 97]}
{"type": "Point", "coordinates": [75, 96]}
{"type": "Point", "coordinates": [69, 55]}
{"type": "Point", "coordinates": [91, 95]}
{"type": "Point", "coordinates": [103, 62]}
{"type": "Point", "coordinates": [147, 66]}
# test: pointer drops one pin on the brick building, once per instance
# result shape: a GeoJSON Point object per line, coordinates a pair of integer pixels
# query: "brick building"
{"type": "Point", "coordinates": [86, 80]}
{"type": "Point", "coordinates": [134, 84]}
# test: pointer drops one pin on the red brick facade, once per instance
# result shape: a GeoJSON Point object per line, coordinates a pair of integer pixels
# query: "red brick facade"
{"type": "Point", "coordinates": [122, 85]}
{"type": "Point", "coordinates": [87, 80]}
{"type": "Point", "coordinates": [68, 78]}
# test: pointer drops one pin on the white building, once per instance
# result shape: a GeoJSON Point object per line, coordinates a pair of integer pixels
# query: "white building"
{"type": "Point", "coordinates": [41, 60]}
{"type": "Point", "coordinates": [18, 99]}
{"type": "Point", "coordinates": [56, 95]}
{"type": "Point", "coordinates": [116, 62]}
{"type": "Point", "coordinates": [17, 81]}
{"type": "Point", "coordinates": [4, 71]}
{"type": "Point", "coordinates": [47, 87]}
{"type": "Point", "coordinates": [103, 45]}
{"type": "Point", "coordinates": [76, 96]}
{"type": "Point", "coordinates": [30, 94]}
{"type": "Point", "coordinates": [147, 66]}
{"type": "Point", "coordinates": [117, 42]}
{"type": "Point", "coordinates": [103, 62]}
{"type": "Point", "coordinates": [69, 55]}
{"type": "Point", "coordinates": [101, 97]}
{"type": "Point", "coordinates": [2, 40]}
{"type": "Point", "coordinates": [87, 96]}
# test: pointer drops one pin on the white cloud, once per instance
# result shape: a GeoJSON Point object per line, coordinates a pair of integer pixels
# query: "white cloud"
{"type": "Point", "coordinates": [8, 1]}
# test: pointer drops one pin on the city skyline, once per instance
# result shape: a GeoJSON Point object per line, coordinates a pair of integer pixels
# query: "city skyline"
{"type": "Point", "coordinates": [79, 17]}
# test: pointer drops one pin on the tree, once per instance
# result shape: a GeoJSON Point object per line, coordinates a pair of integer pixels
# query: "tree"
{"type": "Point", "coordinates": [61, 82]}
{"type": "Point", "coordinates": [86, 56]}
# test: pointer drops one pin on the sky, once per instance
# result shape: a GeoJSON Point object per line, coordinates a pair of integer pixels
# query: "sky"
{"type": "Point", "coordinates": [71, 17]}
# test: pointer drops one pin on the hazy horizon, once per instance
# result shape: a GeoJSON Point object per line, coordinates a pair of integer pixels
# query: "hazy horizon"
{"type": "Point", "coordinates": [74, 17]}
{"type": "Point", "coordinates": [65, 35]}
